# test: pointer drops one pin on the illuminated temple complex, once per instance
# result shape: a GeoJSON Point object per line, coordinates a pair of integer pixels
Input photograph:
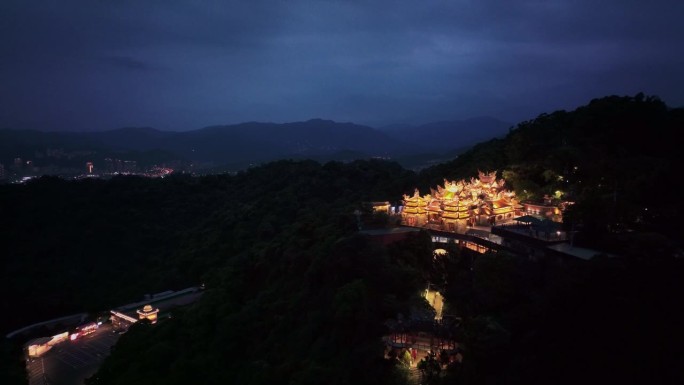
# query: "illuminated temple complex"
{"type": "Point", "coordinates": [481, 201]}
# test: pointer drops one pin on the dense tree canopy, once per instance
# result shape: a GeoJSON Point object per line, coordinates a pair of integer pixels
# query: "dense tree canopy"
{"type": "Point", "coordinates": [296, 295]}
{"type": "Point", "coordinates": [615, 158]}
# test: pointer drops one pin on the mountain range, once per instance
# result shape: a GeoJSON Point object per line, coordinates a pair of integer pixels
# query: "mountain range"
{"type": "Point", "coordinates": [253, 142]}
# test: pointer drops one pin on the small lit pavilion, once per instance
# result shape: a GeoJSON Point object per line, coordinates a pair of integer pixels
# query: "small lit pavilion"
{"type": "Point", "coordinates": [149, 313]}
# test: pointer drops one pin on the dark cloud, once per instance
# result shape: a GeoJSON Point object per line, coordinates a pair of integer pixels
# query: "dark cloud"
{"type": "Point", "coordinates": [186, 64]}
{"type": "Point", "coordinates": [128, 63]}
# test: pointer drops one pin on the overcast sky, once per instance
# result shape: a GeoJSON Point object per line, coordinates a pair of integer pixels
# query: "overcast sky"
{"type": "Point", "coordinates": [180, 65]}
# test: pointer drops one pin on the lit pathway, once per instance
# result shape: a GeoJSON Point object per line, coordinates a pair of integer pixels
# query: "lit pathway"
{"type": "Point", "coordinates": [435, 300]}
{"type": "Point", "coordinates": [414, 376]}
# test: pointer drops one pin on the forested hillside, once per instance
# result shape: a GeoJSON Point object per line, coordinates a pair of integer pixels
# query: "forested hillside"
{"type": "Point", "coordinates": [261, 237]}
{"type": "Point", "coordinates": [296, 295]}
{"type": "Point", "coordinates": [94, 243]}
{"type": "Point", "coordinates": [616, 157]}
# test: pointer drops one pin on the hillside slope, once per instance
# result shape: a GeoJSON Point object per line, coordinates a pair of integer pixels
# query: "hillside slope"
{"type": "Point", "coordinates": [616, 157]}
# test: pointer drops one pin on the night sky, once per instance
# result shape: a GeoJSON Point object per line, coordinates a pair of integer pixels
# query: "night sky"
{"type": "Point", "coordinates": [181, 65]}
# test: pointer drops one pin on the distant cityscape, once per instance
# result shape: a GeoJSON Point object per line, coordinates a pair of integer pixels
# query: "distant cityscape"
{"type": "Point", "coordinates": [57, 162]}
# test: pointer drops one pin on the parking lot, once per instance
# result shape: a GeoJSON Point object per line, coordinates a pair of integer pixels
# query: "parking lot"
{"type": "Point", "coordinates": [70, 362]}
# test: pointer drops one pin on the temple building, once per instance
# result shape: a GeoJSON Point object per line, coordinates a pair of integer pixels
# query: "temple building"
{"type": "Point", "coordinates": [546, 208]}
{"type": "Point", "coordinates": [458, 204]}
{"type": "Point", "coordinates": [148, 312]}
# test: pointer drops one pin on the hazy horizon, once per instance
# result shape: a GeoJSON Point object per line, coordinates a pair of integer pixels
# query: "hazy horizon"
{"type": "Point", "coordinates": [383, 127]}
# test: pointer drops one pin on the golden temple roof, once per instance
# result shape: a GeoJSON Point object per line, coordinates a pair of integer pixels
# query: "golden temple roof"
{"type": "Point", "coordinates": [501, 203]}
{"type": "Point", "coordinates": [457, 199]}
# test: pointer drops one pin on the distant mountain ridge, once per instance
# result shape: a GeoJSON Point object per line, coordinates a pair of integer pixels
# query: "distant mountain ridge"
{"type": "Point", "coordinates": [254, 142]}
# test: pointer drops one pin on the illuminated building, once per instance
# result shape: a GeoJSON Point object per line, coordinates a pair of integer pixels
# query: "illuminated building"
{"type": "Point", "coordinates": [39, 346]}
{"type": "Point", "coordinates": [458, 204]}
{"type": "Point", "coordinates": [381, 207]}
{"type": "Point", "coordinates": [120, 166]}
{"type": "Point", "coordinates": [545, 209]}
{"type": "Point", "coordinates": [414, 213]}
{"type": "Point", "coordinates": [149, 313]}
{"type": "Point", "coordinates": [121, 321]}
{"type": "Point", "coordinates": [84, 330]}
{"type": "Point", "coordinates": [89, 167]}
